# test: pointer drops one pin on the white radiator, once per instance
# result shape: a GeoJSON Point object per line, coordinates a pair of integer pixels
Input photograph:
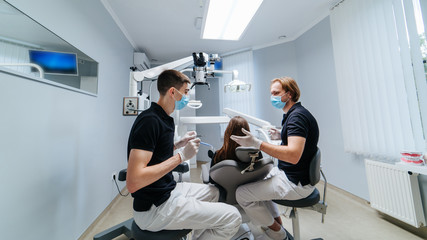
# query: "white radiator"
{"type": "Point", "coordinates": [395, 192]}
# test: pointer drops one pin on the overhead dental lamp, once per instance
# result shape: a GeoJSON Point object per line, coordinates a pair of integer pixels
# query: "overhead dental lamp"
{"type": "Point", "coordinates": [236, 85]}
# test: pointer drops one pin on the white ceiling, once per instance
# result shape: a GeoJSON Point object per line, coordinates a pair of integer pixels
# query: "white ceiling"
{"type": "Point", "coordinates": [165, 29]}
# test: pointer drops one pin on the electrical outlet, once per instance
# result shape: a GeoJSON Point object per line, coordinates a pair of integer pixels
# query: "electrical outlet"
{"type": "Point", "coordinates": [114, 176]}
{"type": "Point", "coordinates": [130, 106]}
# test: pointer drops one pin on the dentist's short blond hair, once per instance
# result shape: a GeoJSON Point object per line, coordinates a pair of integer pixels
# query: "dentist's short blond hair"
{"type": "Point", "coordinates": [289, 85]}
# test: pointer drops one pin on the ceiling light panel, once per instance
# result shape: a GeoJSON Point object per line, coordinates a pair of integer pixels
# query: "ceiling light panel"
{"type": "Point", "coordinates": [228, 19]}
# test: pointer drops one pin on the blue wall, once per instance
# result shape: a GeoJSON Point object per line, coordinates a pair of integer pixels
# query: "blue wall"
{"type": "Point", "coordinates": [270, 63]}
{"type": "Point", "coordinates": [309, 60]}
{"type": "Point", "coordinates": [58, 148]}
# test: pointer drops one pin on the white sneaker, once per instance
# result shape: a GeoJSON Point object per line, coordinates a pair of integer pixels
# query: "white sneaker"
{"type": "Point", "coordinates": [279, 235]}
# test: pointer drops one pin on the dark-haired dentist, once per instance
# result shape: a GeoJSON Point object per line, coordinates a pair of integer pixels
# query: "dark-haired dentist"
{"type": "Point", "coordinates": [159, 202]}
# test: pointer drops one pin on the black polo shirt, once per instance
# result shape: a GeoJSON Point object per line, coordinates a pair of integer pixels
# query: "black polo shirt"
{"type": "Point", "coordinates": [298, 121]}
{"type": "Point", "coordinates": [153, 130]}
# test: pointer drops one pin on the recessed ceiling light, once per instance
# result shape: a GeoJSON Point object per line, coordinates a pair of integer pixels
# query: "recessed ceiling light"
{"type": "Point", "coordinates": [227, 19]}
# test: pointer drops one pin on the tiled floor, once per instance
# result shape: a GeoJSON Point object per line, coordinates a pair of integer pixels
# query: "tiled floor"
{"type": "Point", "coordinates": [348, 217]}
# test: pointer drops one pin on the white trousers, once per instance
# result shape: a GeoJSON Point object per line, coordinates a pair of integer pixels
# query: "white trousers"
{"type": "Point", "coordinates": [255, 198]}
{"type": "Point", "coordinates": [193, 206]}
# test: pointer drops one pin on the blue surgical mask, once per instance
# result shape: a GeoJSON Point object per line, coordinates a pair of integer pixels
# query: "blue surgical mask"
{"type": "Point", "coordinates": [276, 101]}
{"type": "Point", "coordinates": [183, 102]}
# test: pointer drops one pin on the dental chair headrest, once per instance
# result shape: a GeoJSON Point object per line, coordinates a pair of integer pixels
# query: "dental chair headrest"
{"type": "Point", "coordinates": [243, 153]}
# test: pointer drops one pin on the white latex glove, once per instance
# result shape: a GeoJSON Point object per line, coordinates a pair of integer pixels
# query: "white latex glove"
{"type": "Point", "coordinates": [190, 150]}
{"type": "Point", "coordinates": [247, 141]}
{"type": "Point", "coordinates": [274, 134]}
{"type": "Point", "coordinates": [184, 140]}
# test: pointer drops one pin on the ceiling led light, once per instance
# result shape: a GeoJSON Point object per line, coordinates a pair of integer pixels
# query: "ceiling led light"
{"type": "Point", "coordinates": [227, 19]}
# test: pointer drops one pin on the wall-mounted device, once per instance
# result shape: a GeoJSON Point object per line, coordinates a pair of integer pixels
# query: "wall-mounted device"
{"type": "Point", "coordinates": [140, 61]}
{"type": "Point", "coordinates": [130, 106]}
{"type": "Point", "coordinates": [60, 63]}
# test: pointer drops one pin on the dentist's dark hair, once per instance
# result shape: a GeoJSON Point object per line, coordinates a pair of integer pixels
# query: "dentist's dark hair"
{"type": "Point", "coordinates": [171, 78]}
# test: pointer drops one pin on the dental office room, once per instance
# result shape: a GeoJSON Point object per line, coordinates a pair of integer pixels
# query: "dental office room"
{"type": "Point", "coordinates": [77, 76]}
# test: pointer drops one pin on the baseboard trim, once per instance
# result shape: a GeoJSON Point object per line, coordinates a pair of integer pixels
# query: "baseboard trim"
{"type": "Point", "coordinates": [102, 215]}
{"type": "Point", "coordinates": [345, 193]}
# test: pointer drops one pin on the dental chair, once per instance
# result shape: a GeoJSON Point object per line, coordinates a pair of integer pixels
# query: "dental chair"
{"type": "Point", "coordinates": [230, 174]}
{"type": "Point", "coordinates": [312, 201]}
{"type": "Point", "coordinates": [132, 231]}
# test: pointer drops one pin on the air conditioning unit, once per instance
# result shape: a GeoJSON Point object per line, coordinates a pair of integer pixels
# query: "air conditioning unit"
{"type": "Point", "coordinates": [140, 61]}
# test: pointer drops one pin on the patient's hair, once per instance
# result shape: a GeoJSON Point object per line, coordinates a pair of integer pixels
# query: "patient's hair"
{"type": "Point", "coordinates": [228, 148]}
{"type": "Point", "coordinates": [289, 85]}
{"type": "Point", "coordinates": [171, 78]}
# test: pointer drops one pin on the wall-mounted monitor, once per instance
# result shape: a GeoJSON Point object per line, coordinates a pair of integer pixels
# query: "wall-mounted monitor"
{"type": "Point", "coordinates": [60, 63]}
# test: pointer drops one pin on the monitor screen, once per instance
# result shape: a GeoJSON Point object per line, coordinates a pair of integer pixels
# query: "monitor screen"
{"type": "Point", "coordinates": [55, 62]}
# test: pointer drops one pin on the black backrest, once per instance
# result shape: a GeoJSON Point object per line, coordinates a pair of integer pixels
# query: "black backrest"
{"type": "Point", "coordinates": [315, 168]}
{"type": "Point", "coordinates": [122, 174]}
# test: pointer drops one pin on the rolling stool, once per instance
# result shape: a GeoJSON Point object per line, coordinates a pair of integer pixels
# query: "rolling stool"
{"type": "Point", "coordinates": [312, 201]}
{"type": "Point", "coordinates": [132, 231]}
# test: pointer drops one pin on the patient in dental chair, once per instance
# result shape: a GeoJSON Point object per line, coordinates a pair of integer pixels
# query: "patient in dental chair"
{"type": "Point", "coordinates": [228, 152]}
{"type": "Point", "coordinates": [228, 149]}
